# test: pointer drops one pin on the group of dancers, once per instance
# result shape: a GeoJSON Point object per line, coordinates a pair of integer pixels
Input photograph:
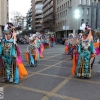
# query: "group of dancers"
{"type": "Point", "coordinates": [83, 50]}
{"type": "Point", "coordinates": [11, 65]}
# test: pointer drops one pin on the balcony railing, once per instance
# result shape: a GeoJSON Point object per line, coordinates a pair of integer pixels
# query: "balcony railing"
{"type": "Point", "coordinates": [47, 1]}
{"type": "Point", "coordinates": [48, 18]}
{"type": "Point", "coordinates": [39, 17]}
{"type": "Point", "coordinates": [37, 21]}
{"type": "Point", "coordinates": [48, 7]}
{"type": "Point", "coordinates": [38, 25]}
{"type": "Point", "coordinates": [38, 1]}
{"type": "Point", "coordinates": [47, 13]}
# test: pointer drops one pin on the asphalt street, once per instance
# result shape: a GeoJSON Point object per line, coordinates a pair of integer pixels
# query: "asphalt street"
{"type": "Point", "coordinates": [52, 79]}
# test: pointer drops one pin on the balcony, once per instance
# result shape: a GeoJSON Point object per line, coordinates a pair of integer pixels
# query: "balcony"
{"type": "Point", "coordinates": [48, 18]}
{"type": "Point", "coordinates": [48, 13]}
{"type": "Point", "coordinates": [47, 2]}
{"type": "Point", "coordinates": [37, 21]}
{"type": "Point", "coordinates": [48, 7]}
{"type": "Point", "coordinates": [37, 25]}
{"type": "Point", "coordinates": [38, 13]}
{"type": "Point", "coordinates": [39, 17]}
{"type": "Point", "coordinates": [36, 1]}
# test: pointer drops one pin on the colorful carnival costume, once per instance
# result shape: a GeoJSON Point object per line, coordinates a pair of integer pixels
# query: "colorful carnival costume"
{"type": "Point", "coordinates": [83, 59]}
{"type": "Point", "coordinates": [12, 69]}
{"type": "Point", "coordinates": [41, 47]}
{"type": "Point", "coordinates": [83, 64]}
{"type": "Point", "coordinates": [66, 46]}
{"type": "Point", "coordinates": [31, 55]}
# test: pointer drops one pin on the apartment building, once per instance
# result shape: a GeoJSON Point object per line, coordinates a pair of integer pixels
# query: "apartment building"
{"type": "Point", "coordinates": [4, 14]}
{"type": "Point", "coordinates": [69, 21]}
{"type": "Point", "coordinates": [48, 24]}
{"type": "Point", "coordinates": [37, 16]}
{"type": "Point", "coordinates": [29, 19]}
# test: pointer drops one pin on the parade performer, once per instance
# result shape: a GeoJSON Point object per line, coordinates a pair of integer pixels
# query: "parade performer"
{"type": "Point", "coordinates": [46, 43]}
{"type": "Point", "coordinates": [31, 53]}
{"type": "Point", "coordinates": [66, 46]}
{"type": "Point", "coordinates": [41, 47]}
{"type": "Point", "coordinates": [85, 53]}
{"type": "Point", "coordinates": [12, 68]}
{"type": "Point", "coordinates": [37, 45]}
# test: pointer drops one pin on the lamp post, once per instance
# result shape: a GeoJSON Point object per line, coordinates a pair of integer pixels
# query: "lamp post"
{"type": "Point", "coordinates": [77, 15]}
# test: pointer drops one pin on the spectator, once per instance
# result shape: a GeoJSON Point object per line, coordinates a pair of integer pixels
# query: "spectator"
{"type": "Point", "coordinates": [52, 40]}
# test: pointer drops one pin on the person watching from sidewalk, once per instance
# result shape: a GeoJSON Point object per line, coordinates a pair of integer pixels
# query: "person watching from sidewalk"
{"type": "Point", "coordinates": [52, 40]}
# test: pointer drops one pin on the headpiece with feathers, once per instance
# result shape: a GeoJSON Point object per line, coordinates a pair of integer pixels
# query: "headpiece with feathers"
{"type": "Point", "coordinates": [9, 28]}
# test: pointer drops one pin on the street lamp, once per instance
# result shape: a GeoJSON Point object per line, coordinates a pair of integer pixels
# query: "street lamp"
{"type": "Point", "coordinates": [77, 15]}
{"type": "Point", "coordinates": [30, 28]}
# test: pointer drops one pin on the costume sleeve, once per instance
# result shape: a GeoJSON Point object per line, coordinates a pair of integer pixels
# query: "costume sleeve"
{"type": "Point", "coordinates": [79, 48]}
{"type": "Point", "coordinates": [28, 48]}
{"type": "Point", "coordinates": [0, 48]}
{"type": "Point", "coordinates": [92, 47]}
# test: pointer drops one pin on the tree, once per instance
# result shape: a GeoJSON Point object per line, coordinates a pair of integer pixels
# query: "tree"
{"type": "Point", "coordinates": [17, 19]}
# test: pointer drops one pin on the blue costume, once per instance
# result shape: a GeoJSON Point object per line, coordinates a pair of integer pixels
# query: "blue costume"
{"type": "Point", "coordinates": [85, 50]}
{"type": "Point", "coordinates": [8, 55]}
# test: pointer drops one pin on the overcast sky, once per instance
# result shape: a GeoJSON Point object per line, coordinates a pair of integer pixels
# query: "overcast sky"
{"type": "Point", "coordinates": [21, 6]}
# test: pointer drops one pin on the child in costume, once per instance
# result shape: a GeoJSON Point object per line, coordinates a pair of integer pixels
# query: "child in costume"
{"type": "Point", "coordinates": [31, 55]}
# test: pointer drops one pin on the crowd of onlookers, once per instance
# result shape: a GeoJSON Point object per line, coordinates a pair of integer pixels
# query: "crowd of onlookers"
{"type": "Point", "coordinates": [52, 40]}
{"type": "Point", "coordinates": [60, 41]}
{"type": "Point", "coordinates": [22, 40]}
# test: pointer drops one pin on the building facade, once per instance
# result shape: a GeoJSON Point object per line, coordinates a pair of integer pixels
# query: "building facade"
{"type": "Point", "coordinates": [29, 19]}
{"type": "Point", "coordinates": [48, 24]}
{"type": "Point", "coordinates": [37, 16]}
{"type": "Point", "coordinates": [70, 14]}
{"type": "Point", "coordinates": [4, 14]}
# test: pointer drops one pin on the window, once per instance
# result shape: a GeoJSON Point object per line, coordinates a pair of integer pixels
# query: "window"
{"type": "Point", "coordinates": [65, 22]}
{"type": "Point", "coordinates": [66, 12]}
{"type": "Point", "coordinates": [90, 2]}
{"type": "Point", "coordinates": [82, 21]}
{"type": "Point", "coordinates": [62, 14]}
{"type": "Point", "coordinates": [57, 1]}
{"type": "Point", "coordinates": [87, 21]}
{"type": "Point", "coordinates": [70, 2]}
{"type": "Point", "coordinates": [38, 6]}
{"type": "Point", "coordinates": [86, 2]}
{"type": "Point", "coordinates": [82, 10]}
{"type": "Point", "coordinates": [60, 8]}
{"type": "Point", "coordinates": [87, 11]}
{"type": "Point", "coordinates": [66, 4]}
{"type": "Point", "coordinates": [80, 1]}
{"type": "Point", "coordinates": [58, 16]}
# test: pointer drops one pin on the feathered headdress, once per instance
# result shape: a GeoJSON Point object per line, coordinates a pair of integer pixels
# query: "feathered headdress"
{"type": "Point", "coordinates": [9, 28]}
{"type": "Point", "coordinates": [83, 27]}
